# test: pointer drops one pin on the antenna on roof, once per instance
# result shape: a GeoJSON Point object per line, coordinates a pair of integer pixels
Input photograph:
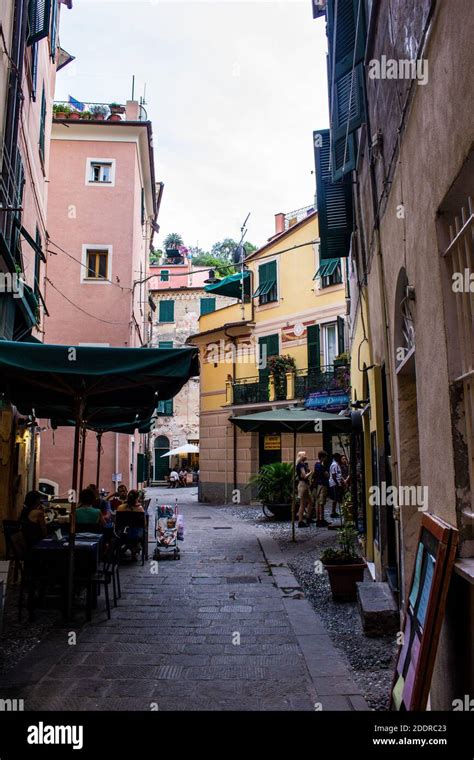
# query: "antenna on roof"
{"type": "Point", "coordinates": [133, 87]}
{"type": "Point", "coordinates": [241, 250]}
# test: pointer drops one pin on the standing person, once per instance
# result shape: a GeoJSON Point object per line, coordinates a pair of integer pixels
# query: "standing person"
{"type": "Point", "coordinates": [174, 478]}
{"type": "Point", "coordinates": [321, 485]}
{"type": "Point", "coordinates": [304, 494]}
{"type": "Point", "coordinates": [335, 483]}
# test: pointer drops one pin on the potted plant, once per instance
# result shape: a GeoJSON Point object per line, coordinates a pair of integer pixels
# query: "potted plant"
{"type": "Point", "coordinates": [74, 115]}
{"type": "Point", "coordinates": [99, 112]}
{"type": "Point", "coordinates": [279, 366]}
{"type": "Point", "coordinates": [342, 359]}
{"type": "Point", "coordinates": [114, 117]}
{"type": "Point", "coordinates": [61, 111]}
{"type": "Point", "coordinates": [344, 565]}
{"type": "Point", "coordinates": [116, 108]}
{"type": "Point", "coordinates": [86, 115]}
{"type": "Point", "coordinates": [274, 488]}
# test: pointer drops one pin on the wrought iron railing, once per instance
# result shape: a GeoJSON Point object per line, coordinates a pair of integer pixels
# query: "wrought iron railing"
{"type": "Point", "coordinates": [105, 107]}
{"type": "Point", "coordinates": [251, 390]}
{"type": "Point", "coordinates": [326, 378]}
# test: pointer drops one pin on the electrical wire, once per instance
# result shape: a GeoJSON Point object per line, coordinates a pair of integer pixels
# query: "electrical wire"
{"type": "Point", "coordinates": [78, 261]}
{"type": "Point", "coordinates": [99, 319]}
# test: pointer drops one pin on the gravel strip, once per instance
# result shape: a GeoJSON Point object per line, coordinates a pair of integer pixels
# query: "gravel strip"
{"type": "Point", "coordinates": [371, 660]}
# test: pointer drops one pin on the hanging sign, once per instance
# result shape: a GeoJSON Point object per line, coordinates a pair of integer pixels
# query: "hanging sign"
{"type": "Point", "coordinates": [272, 443]}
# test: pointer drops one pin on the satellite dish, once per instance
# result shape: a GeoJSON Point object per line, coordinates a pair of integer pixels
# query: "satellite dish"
{"type": "Point", "coordinates": [238, 254]}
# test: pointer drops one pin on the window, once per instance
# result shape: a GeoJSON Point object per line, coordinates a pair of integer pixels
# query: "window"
{"type": "Point", "coordinates": [166, 313]}
{"type": "Point", "coordinates": [39, 16]}
{"type": "Point", "coordinates": [208, 305]}
{"type": "Point", "coordinates": [54, 29]}
{"type": "Point", "coordinates": [313, 347]}
{"type": "Point", "coordinates": [34, 70]}
{"type": "Point", "coordinates": [143, 212]}
{"type": "Point", "coordinates": [329, 273]}
{"type": "Point", "coordinates": [100, 171]}
{"type": "Point", "coordinates": [165, 407]}
{"type": "Point", "coordinates": [267, 290]}
{"type": "Point", "coordinates": [165, 275]}
{"type": "Point", "coordinates": [165, 344]}
{"type": "Point", "coordinates": [330, 343]}
{"type": "Point", "coordinates": [97, 265]}
{"type": "Point", "coordinates": [42, 132]}
{"type": "Point", "coordinates": [335, 206]}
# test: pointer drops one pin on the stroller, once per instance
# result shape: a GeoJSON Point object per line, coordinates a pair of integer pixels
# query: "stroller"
{"type": "Point", "coordinates": [168, 527]}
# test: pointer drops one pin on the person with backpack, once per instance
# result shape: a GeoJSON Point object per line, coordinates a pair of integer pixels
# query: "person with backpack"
{"type": "Point", "coordinates": [320, 485]}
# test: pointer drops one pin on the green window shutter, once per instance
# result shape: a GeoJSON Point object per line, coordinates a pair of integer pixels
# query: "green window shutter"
{"type": "Point", "coordinates": [169, 407]}
{"type": "Point", "coordinates": [208, 305]}
{"type": "Point", "coordinates": [143, 206]}
{"type": "Point", "coordinates": [340, 335]}
{"type": "Point", "coordinates": [268, 346]}
{"type": "Point", "coordinates": [54, 28]}
{"type": "Point", "coordinates": [166, 313]}
{"type": "Point", "coordinates": [314, 347]}
{"type": "Point", "coordinates": [160, 407]}
{"type": "Point", "coordinates": [39, 16]}
{"type": "Point", "coordinates": [164, 275]}
{"type": "Point", "coordinates": [334, 201]}
{"type": "Point", "coordinates": [141, 468]}
{"type": "Point", "coordinates": [165, 344]}
{"type": "Point", "coordinates": [42, 134]}
{"type": "Point", "coordinates": [346, 44]}
{"type": "Point", "coordinates": [267, 289]}
{"type": "Point", "coordinates": [36, 284]}
{"type": "Point", "coordinates": [34, 70]}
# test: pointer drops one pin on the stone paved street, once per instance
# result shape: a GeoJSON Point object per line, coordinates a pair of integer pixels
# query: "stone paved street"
{"type": "Point", "coordinates": [225, 628]}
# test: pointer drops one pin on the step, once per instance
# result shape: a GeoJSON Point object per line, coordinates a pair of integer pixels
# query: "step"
{"type": "Point", "coordinates": [378, 609]}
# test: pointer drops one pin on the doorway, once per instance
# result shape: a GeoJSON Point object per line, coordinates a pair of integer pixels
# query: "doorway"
{"type": "Point", "coordinates": [161, 446]}
{"type": "Point", "coordinates": [269, 449]}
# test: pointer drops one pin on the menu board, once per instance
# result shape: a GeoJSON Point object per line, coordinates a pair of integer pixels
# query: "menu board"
{"type": "Point", "coordinates": [424, 614]}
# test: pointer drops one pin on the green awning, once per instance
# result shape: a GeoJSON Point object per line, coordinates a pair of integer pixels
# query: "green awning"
{"type": "Point", "coordinates": [231, 286]}
{"type": "Point", "coordinates": [264, 288]}
{"type": "Point", "coordinates": [112, 422]}
{"type": "Point", "coordinates": [286, 420]}
{"type": "Point", "coordinates": [53, 378]}
{"type": "Point", "coordinates": [327, 268]}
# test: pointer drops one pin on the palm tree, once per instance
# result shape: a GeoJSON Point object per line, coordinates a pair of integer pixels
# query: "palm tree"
{"type": "Point", "coordinates": [173, 240]}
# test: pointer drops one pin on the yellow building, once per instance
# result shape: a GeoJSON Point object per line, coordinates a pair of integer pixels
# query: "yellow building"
{"type": "Point", "coordinates": [293, 306]}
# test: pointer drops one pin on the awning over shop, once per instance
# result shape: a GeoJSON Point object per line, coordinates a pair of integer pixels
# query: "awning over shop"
{"type": "Point", "coordinates": [291, 421]}
{"type": "Point", "coordinates": [231, 286]}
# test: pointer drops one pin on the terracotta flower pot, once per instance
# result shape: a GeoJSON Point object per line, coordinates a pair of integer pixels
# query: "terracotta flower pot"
{"type": "Point", "coordinates": [60, 115]}
{"type": "Point", "coordinates": [114, 117]}
{"type": "Point", "coordinates": [343, 579]}
{"type": "Point", "coordinates": [98, 117]}
{"type": "Point", "coordinates": [74, 116]}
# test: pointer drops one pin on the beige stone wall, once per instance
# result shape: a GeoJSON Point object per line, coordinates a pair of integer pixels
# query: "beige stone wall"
{"type": "Point", "coordinates": [218, 479]}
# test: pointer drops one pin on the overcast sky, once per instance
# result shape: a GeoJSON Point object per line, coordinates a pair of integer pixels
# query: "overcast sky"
{"type": "Point", "coordinates": [234, 90]}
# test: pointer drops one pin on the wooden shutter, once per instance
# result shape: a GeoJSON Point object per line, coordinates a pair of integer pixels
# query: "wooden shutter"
{"type": "Point", "coordinates": [42, 134]}
{"type": "Point", "coordinates": [208, 305]}
{"type": "Point", "coordinates": [334, 201]}
{"type": "Point", "coordinates": [34, 71]}
{"type": "Point", "coordinates": [270, 344]}
{"type": "Point", "coordinates": [166, 313]}
{"type": "Point", "coordinates": [54, 28]}
{"type": "Point", "coordinates": [340, 335]}
{"type": "Point", "coordinates": [169, 407]}
{"type": "Point", "coordinates": [36, 284]}
{"type": "Point", "coordinates": [165, 344]}
{"type": "Point", "coordinates": [314, 347]}
{"type": "Point", "coordinates": [346, 45]}
{"type": "Point", "coordinates": [39, 16]}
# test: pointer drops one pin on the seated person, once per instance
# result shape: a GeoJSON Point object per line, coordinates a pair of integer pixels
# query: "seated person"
{"type": "Point", "coordinates": [103, 505]}
{"type": "Point", "coordinates": [86, 512]}
{"type": "Point", "coordinates": [133, 536]}
{"type": "Point", "coordinates": [174, 478]}
{"type": "Point", "coordinates": [119, 497]}
{"type": "Point", "coordinates": [167, 535]}
{"type": "Point", "coordinates": [32, 519]}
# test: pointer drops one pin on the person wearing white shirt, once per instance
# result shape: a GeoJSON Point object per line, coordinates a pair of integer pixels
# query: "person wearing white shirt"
{"type": "Point", "coordinates": [335, 483]}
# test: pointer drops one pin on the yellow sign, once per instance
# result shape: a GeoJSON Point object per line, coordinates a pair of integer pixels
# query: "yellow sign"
{"type": "Point", "coordinates": [272, 443]}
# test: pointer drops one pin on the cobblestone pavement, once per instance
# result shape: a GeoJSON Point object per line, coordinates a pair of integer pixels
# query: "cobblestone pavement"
{"type": "Point", "coordinates": [224, 628]}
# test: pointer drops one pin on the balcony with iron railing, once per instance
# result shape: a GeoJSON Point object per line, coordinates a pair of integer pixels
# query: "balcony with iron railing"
{"type": "Point", "coordinates": [294, 385]}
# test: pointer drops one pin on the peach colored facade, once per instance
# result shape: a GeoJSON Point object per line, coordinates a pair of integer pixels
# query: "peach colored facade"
{"type": "Point", "coordinates": [37, 65]}
{"type": "Point", "coordinates": [112, 216]}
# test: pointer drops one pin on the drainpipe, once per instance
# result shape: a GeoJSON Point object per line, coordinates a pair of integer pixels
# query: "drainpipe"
{"type": "Point", "coordinates": [234, 343]}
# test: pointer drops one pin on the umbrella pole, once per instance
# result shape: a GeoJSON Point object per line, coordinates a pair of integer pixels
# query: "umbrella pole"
{"type": "Point", "coordinates": [83, 452]}
{"type": "Point", "coordinates": [72, 523]}
{"type": "Point", "coordinates": [99, 450]}
{"type": "Point", "coordinates": [293, 495]}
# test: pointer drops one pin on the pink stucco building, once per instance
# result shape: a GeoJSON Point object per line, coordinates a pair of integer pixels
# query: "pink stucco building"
{"type": "Point", "coordinates": [103, 204]}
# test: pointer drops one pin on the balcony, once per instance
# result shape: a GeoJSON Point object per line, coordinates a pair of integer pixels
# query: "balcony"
{"type": "Point", "coordinates": [133, 111]}
{"type": "Point", "coordinates": [294, 386]}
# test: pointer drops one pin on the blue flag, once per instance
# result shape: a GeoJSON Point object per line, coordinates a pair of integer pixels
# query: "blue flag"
{"type": "Point", "coordinates": [76, 103]}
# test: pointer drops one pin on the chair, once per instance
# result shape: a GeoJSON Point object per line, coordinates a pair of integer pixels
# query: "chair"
{"type": "Point", "coordinates": [10, 527]}
{"type": "Point", "coordinates": [109, 573]}
{"type": "Point", "coordinates": [89, 528]}
{"type": "Point", "coordinates": [126, 520]}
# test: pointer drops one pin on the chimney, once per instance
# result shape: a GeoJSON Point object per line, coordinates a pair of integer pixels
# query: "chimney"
{"type": "Point", "coordinates": [132, 108]}
{"type": "Point", "coordinates": [279, 223]}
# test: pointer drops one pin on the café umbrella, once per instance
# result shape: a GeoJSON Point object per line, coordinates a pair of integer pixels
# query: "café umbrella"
{"type": "Point", "coordinates": [292, 420]}
{"type": "Point", "coordinates": [53, 379]}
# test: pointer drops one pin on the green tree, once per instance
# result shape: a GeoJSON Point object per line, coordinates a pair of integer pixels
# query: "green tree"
{"type": "Point", "coordinates": [173, 240]}
{"type": "Point", "coordinates": [155, 255]}
{"type": "Point", "coordinates": [224, 249]}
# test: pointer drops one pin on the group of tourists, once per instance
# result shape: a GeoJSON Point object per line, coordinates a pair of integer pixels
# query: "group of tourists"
{"type": "Point", "coordinates": [327, 478]}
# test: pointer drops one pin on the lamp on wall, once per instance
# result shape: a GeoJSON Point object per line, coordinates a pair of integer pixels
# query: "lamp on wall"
{"type": "Point", "coordinates": [211, 277]}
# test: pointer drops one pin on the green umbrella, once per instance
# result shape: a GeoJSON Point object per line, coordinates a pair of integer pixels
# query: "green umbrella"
{"type": "Point", "coordinates": [292, 420]}
{"type": "Point", "coordinates": [231, 286]}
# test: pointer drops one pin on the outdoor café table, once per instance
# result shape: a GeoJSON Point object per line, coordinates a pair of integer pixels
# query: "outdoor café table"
{"type": "Point", "coordinates": [50, 558]}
